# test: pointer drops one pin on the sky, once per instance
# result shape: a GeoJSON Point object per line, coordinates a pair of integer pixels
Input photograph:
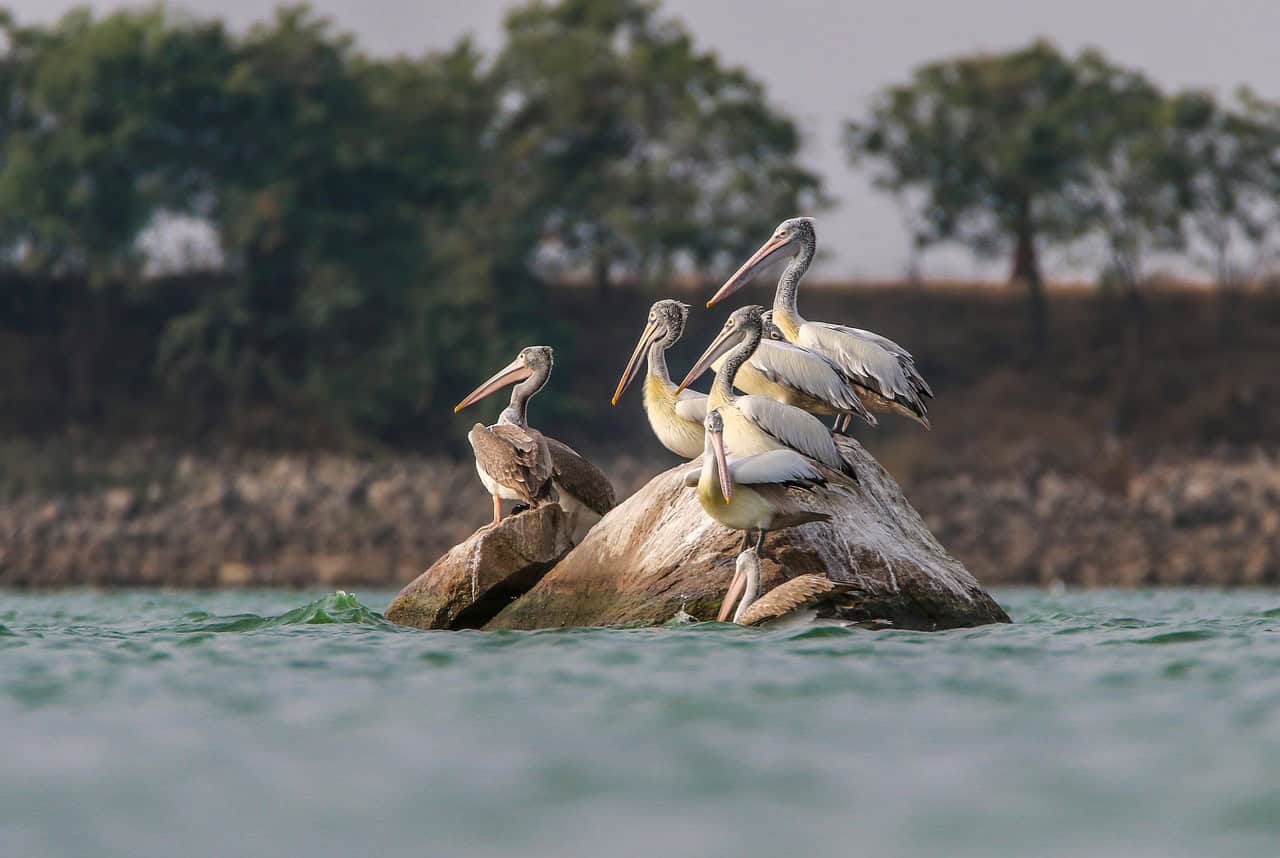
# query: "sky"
{"type": "Point", "coordinates": [823, 60]}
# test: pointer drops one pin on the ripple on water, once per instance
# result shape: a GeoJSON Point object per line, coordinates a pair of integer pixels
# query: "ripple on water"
{"type": "Point", "coordinates": [968, 743]}
{"type": "Point", "coordinates": [1179, 637]}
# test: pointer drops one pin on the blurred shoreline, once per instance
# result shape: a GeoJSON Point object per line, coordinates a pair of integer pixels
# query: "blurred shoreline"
{"type": "Point", "coordinates": [1100, 463]}
{"type": "Point", "coordinates": [298, 520]}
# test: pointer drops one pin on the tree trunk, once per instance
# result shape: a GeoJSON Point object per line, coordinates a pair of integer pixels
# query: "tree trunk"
{"type": "Point", "coordinates": [1026, 269]}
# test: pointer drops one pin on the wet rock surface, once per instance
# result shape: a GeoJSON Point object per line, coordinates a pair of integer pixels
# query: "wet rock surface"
{"type": "Point", "coordinates": [658, 553]}
{"type": "Point", "coordinates": [475, 579]}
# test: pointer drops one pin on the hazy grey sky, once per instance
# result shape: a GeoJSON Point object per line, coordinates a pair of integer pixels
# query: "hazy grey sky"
{"type": "Point", "coordinates": [822, 60]}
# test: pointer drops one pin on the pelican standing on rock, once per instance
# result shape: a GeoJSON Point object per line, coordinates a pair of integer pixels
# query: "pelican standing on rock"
{"type": "Point", "coordinates": [884, 371]}
{"type": "Point", "coordinates": [675, 416]}
{"type": "Point", "coordinates": [800, 601]}
{"type": "Point", "coordinates": [750, 493]}
{"type": "Point", "coordinates": [795, 375]}
{"type": "Point", "coordinates": [757, 424]}
{"type": "Point", "coordinates": [516, 462]}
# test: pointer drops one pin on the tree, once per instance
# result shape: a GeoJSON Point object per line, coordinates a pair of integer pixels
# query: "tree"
{"type": "Point", "coordinates": [638, 152]}
{"type": "Point", "coordinates": [996, 143]}
{"type": "Point", "coordinates": [1127, 192]}
{"type": "Point", "coordinates": [1229, 157]}
{"type": "Point", "coordinates": [98, 135]}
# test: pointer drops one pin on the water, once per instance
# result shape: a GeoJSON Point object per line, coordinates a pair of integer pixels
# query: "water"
{"type": "Point", "coordinates": [263, 723]}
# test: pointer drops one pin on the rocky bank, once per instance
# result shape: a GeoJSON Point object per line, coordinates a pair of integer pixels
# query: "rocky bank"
{"type": "Point", "coordinates": [153, 517]}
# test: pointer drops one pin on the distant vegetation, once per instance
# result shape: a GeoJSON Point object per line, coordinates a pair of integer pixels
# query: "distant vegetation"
{"type": "Point", "coordinates": [385, 229]}
{"type": "Point", "coordinates": [1008, 153]}
{"type": "Point", "coordinates": [384, 225]}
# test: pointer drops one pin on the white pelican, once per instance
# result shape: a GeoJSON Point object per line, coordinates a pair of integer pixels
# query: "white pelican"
{"type": "Point", "coordinates": [519, 463]}
{"type": "Point", "coordinates": [757, 424]}
{"type": "Point", "coordinates": [800, 601]}
{"type": "Point", "coordinates": [676, 417]}
{"type": "Point", "coordinates": [797, 376]}
{"type": "Point", "coordinates": [884, 371]}
{"type": "Point", "coordinates": [750, 493]}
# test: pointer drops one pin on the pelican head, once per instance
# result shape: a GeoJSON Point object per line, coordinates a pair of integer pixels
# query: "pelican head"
{"type": "Point", "coordinates": [746, 568]}
{"type": "Point", "coordinates": [714, 426]}
{"type": "Point", "coordinates": [533, 362]}
{"type": "Point", "coordinates": [790, 236]}
{"type": "Point", "coordinates": [771, 331]}
{"type": "Point", "coordinates": [665, 325]}
{"type": "Point", "coordinates": [742, 324]}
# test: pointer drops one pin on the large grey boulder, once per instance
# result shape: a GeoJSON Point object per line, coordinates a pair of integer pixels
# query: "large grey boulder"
{"type": "Point", "coordinates": [658, 553]}
{"type": "Point", "coordinates": [481, 575]}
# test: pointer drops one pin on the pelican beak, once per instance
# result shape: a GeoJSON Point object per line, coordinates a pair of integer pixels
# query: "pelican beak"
{"type": "Point", "coordinates": [749, 268]}
{"type": "Point", "coordinates": [722, 465]}
{"type": "Point", "coordinates": [726, 340]}
{"type": "Point", "coordinates": [651, 332]}
{"type": "Point", "coordinates": [736, 586]}
{"type": "Point", "coordinates": [509, 374]}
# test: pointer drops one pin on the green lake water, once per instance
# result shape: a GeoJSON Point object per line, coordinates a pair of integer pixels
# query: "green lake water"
{"type": "Point", "coordinates": [265, 723]}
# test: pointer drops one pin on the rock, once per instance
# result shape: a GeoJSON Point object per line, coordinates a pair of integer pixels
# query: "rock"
{"type": "Point", "coordinates": [658, 554]}
{"type": "Point", "coordinates": [480, 576]}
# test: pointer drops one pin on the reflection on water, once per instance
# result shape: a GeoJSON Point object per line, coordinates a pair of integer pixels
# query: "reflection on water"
{"type": "Point", "coordinates": [156, 724]}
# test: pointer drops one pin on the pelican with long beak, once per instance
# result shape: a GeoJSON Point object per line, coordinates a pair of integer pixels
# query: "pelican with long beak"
{"type": "Point", "coordinates": [883, 371]}
{"type": "Point", "coordinates": [676, 417]}
{"type": "Point", "coordinates": [757, 424]}
{"type": "Point", "coordinates": [795, 375]}
{"type": "Point", "coordinates": [760, 492]}
{"type": "Point", "coordinates": [516, 462]}
{"type": "Point", "coordinates": [800, 601]}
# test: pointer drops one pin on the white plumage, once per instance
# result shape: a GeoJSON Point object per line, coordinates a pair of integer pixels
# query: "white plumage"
{"type": "Point", "coordinates": [790, 427]}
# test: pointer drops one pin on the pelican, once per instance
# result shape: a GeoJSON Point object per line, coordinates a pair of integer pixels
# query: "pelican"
{"type": "Point", "coordinates": [676, 417]}
{"type": "Point", "coordinates": [800, 601]}
{"type": "Point", "coordinates": [884, 372]}
{"type": "Point", "coordinates": [795, 375]}
{"type": "Point", "coordinates": [750, 493]}
{"type": "Point", "coordinates": [516, 462]}
{"type": "Point", "coordinates": [756, 424]}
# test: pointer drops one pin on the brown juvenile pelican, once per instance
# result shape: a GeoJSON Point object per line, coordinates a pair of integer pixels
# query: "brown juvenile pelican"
{"type": "Point", "coordinates": [676, 416]}
{"type": "Point", "coordinates": [800, 601]}
{"type": "Point", "coordinates": [751, 493]}
{"type": "Point", "coordinates": [884, 371]}
{"type": "Point", "coordinates": [519, 463]}
{"type": "Point", "coordinates": [756, 424]}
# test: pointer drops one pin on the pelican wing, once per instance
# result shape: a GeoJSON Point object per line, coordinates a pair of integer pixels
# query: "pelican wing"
{"type": "Point", "coordinates": [869, 359]}
{"type": "Point", "coordinates": [691, 405]}
{"type": "Point", "coordinates": [799, 592]}
{"type": "Point", "coordinates": [776, 467]}
{"type": "Point", "coordinates": [793, 428]}
{"type": "Point", "coordinates": [515, 457]}
{"type": "Point", "coordinates": [806, 371]}
{"type": "Point", "coordinates": [580, 478]}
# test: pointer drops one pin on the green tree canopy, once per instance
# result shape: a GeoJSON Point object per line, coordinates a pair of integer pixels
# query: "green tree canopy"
{"type": "Point", "coordinates": [998, 146]}
{"type": "Point", "coordinates": [636, 151]}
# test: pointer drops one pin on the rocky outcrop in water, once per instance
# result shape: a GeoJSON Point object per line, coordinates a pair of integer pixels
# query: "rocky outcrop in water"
{"type": "Point", "coordinates": [466, 587]}
{"type": "Point", "coordinates": [658, 553]}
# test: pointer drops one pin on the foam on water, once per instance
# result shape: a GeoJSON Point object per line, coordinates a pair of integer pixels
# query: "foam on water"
{"type": "Point", "coordinates": [251, 722]}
